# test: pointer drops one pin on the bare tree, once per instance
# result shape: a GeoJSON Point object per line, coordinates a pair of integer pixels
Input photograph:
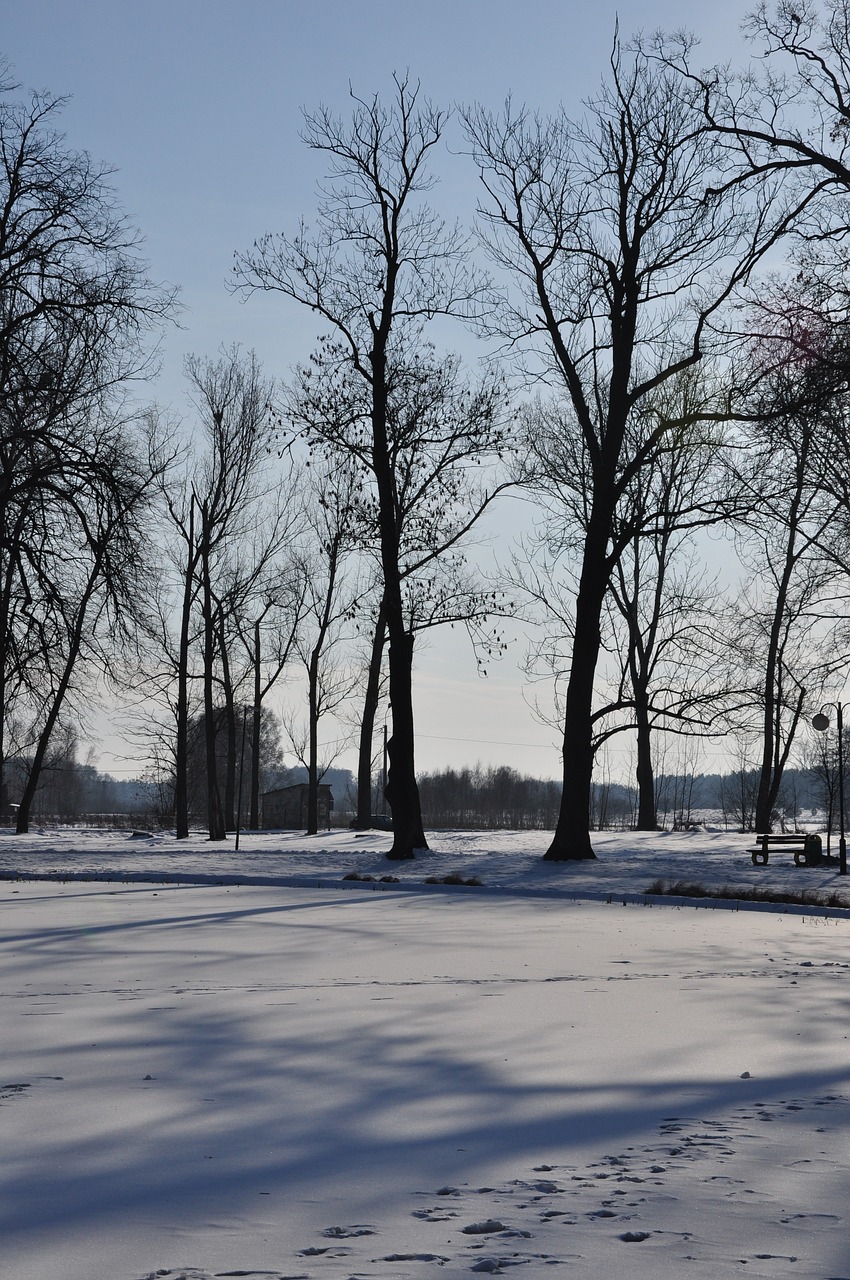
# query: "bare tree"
{"type": "Point", "coordinates": [790, 538]}
{"type": "Point", "coordinates": [379, 266]}
{"type": "Point", "coordinates": [662, 665]}
{"type": "Point", "coordinates": [788, 122]}
{"type": "Point", "coordinates": [821, 759]}
{"type": "Point", "coordinates": [330, 600]}
{"type": "Point", "coordinates": [90, 584]}
{"type": "Point", "coordinates": [739, 787]}
{"type": "Point", "coordinates": [230, 524]}
{"type": "Point", "coordinates": [75, 306]}
{"type": "Point", "coordinates": [622, 255]}
{"type": "Point", "coordinates": [269, 639]}
{"type": "Point", "coordinates": [444, 435]}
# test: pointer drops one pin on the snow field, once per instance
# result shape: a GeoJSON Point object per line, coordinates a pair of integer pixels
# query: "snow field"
{"type": "Point", "coordinates": [329, 1082]}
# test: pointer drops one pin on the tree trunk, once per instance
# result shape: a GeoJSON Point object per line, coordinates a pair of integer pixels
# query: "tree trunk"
{"type": "Point", "coordinates": [313, 745]}
{"type": "Point", "coordinates": [215, 814]}
{"type": "Point", "coordinates": [5, 589]}
{"type": "Point", "coordinates": [181, 749]}
{"type": "Point", "coordinates": [254, 820]}
{"type": "Point", "coordinates": [231, 735]}
{"type": "Point", "coordinates": [772, 757]}
{"type": "Point", "coordinates": [647, 817]}
{"type": "Point", "coordinates": [367, 726]}
{"type": "Point", "coordinates": [402, 791]}
{"type": "Point", "coordinates": [571, 841]}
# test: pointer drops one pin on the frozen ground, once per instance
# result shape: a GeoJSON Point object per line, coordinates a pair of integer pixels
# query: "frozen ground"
{"type": "Point", "coordinates": [502, 860]}
{"type": "Point", "coordinates": [305, 1077]}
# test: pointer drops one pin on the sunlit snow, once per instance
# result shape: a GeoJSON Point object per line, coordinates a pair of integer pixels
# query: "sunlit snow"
{"type": "Point", "coordinates": [298, 1075]}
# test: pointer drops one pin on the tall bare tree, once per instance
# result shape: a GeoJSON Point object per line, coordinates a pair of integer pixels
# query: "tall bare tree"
{"type": "Point", "coordinates": [786, 121]}
{"type": "Point", "coordinates": [231, 524]}
{"type": "Point", "coordinates": [622, 255]}
{"type": "Point", "coordinates": [330, 599]}
{"type": "Point", "coordinates": [444, 436]}
{"type": "Point", "coordinates": [379, 266]}
{"type": "Point", "coordinates": [89, 580]}
{"type": "Point", "coordinates": [662, 665]}
{"type": "Point", "coordinates": [793, 536]}
{"type": "Point", "coordinates": [75, 307]}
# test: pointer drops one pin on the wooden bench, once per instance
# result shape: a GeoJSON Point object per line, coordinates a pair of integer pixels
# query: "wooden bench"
{"type": "Point", "coordinates": [808, 848]}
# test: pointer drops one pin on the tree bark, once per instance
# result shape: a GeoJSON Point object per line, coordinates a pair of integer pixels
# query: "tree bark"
{"type": "Point", "coordinates": [313, 743]}
{"type": "Point", "coordinates": [215, 813]}
{"type": "Point", "coordinates": [363, 819]}
{"type": "Point", "coordinates": [402, 790]}
{"type": "Point", "coordinates": [181, 749]}
{"type": "Point", "coordinates": [773, 758]}
{"type": "Point", "coordinates": [254, 820]}
{"type": "Point", "coordinates": [571, 841]}
{"type": "Point", "coordinates": [647, 817]}
{"type": "Point", "coordinates": [230, 733]}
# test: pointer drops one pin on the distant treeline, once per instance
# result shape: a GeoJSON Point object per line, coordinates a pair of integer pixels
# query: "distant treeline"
{"type": "Point", "coordinates": [472, 797]}
{"type": "Point", "coordinates": [491, 798]}
{"type": "Point", "coordinates": [488, 798]}
{"type": "Point", "coordinates": [68, 789]}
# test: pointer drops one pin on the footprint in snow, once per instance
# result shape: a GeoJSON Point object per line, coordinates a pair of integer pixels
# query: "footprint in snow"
{"type": "Point", "coordinates": [414, 1257]}
{"type": "Point", "coordinates": [348, 1233]}
{"type": "Point", "coordinates": [434, 1215]}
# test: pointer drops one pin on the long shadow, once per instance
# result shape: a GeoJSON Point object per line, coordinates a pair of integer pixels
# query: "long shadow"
{"type": "Point", "coordinates": [195, 919]}
{"type": "Point", "coordinates": [174, 1176]}
{"type": "Point", "coordinates": [294, 1108]}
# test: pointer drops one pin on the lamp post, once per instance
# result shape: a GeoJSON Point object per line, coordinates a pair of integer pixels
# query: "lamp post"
{"type": "Point", "coordinates": [821, 723]}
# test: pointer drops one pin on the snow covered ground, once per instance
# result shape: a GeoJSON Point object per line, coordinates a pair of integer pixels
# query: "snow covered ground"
{"type": "Point", "coordinates": [218, 1064]}
{"type": "Point", "coordinates": [502, 860]}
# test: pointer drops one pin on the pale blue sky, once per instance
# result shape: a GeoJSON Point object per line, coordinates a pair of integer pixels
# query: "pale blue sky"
{"type": "Point", "coordinates": [197, 105]}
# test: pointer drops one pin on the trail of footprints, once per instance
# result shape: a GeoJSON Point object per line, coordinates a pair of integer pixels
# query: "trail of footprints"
{"type": "Point", "coordinates": [666, 1198]}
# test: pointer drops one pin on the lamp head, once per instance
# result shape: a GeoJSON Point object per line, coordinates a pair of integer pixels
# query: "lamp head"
{"type": "Point", "coordinates": [820, 722]}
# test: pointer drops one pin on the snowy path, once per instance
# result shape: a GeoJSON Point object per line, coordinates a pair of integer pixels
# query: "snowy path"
{"type": "Point", "coordinates": [327, 1083]}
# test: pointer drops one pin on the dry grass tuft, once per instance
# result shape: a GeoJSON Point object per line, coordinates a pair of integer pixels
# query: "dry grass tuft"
{"type": "Point", "coordinates": [748, 893]}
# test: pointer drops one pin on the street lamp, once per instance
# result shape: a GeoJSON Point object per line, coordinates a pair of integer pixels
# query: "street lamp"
{"type": "Point", "coordinates": [821, 723]}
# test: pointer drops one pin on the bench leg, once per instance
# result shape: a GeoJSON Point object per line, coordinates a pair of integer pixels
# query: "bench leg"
{"type": "Point", "coordinates": [760, 858]}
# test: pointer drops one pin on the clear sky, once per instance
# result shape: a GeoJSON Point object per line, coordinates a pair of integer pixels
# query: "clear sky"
{"type": "Point", "coordinates": [197, 105]}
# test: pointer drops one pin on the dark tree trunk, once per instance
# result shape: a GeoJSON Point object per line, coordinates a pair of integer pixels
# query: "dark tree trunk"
{"type": "Point", "coordinates": [254, 819]}
{"type": "Point", "coordinates": [215, 814]}
{"type": "Point", "coordinates": [181, 749]}
{"type": "Point", "coordinates": [313, 744]}
{"type": "Point", "coordinates": [5, 603]}
{"type": "Point", "coordinates": [773, 757]}
{"type": "Point", "coordinates": [4, 633]}
{"type": "Point", "coordinates": [231, 735]}
{"type": "Point", "coordinates": [367, 726]}
{"type": "Point", "coordinates": [769, 777]}
{"type": "Point", "coordinates": [647, 817]}
{"type": "Point", "coordinates": [571, 842]}
{"type": "Point", "coordinates": [402, 790]}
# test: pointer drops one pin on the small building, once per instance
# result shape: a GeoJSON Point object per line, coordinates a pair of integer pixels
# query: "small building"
{"type": "Point", "coordinates": [287, 807]}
